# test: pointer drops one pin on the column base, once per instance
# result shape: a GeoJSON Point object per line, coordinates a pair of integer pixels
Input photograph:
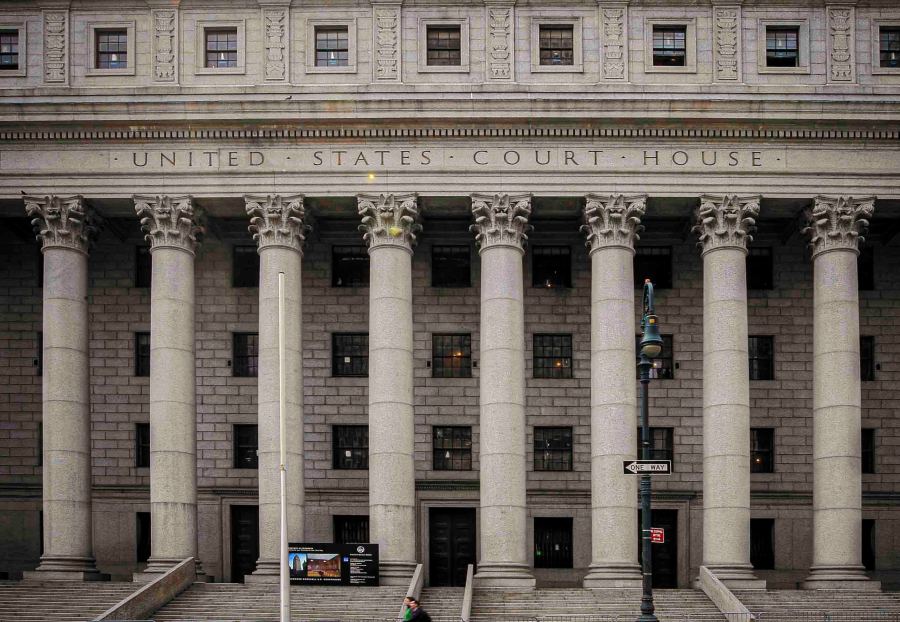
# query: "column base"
{"type": "Point", "coordinates": [395, 572]}
{"type": "Point", "coordinates": [840, 578]}
{"type": "Point", "coordinates": [63, 568]}
{"type": "Point", "coordinates": [267, 571]}
{"type": "Point", "coordinates": [506, 575]}
{"type": "Point", "coordinates": [158, 566]}
{"type": "Point", "coordinates": [613, 577]}
{"type": "Point", "coordinates": [737, 576]}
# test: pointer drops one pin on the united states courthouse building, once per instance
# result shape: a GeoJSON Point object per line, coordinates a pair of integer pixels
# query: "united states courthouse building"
{"type": "Point", "coordinates": [464, 199]}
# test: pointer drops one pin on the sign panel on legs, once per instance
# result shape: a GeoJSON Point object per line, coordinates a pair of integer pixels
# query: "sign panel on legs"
{"type": "Point", "coordinates": [333, 564]}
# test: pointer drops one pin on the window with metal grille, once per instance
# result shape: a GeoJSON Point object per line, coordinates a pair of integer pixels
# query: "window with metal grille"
{"type": "Point", "coordinates": [451, 266]}
{"type": "Point", "coordinates": [245, 352]}
{"type": "Point", "coordinates": [443, 46]}
{"type": "Point", "coordinates": [762, 450]}
{"type": "Point", "coordinates": [865, 269]}
{"type": "Point", "coordinates": [553, 542]}
{"type": "Point", "coordinates": [143, 267]}
{"type": "Point", "coordinates": [760, 269]}
{"type": "Point", "coordinates": [552, 356]}
{"type": "Point", "coordinates": [142, 445]}
{"type": "Point", "coordinates": [9, 49]}
{"type": "Point", "coordinates": [662, 444]}
{"type": "Point", "coordinates": [350, 354]}
{"type": "Point", "coordinates": [669, 46]}
{"type": "Point", "coordinates": [39, 358]}
{"type": "Point", "coordinates": [452, 446]}
{"type": "Point", "coordinates": [654, 263]}
{"type": "Point", "coordinates": [782, 46]}
{"type": "Point", "coordinates": [246, 444]}
{"type": "Point", "coordinates": [868, 449]}
{"type": "Point", "coordinates": [142, 354]}
{"type": "Point", "coordinates": [868, 543]}
{"type": "Point", "coordinates": [762, 358]}
{"type": "Point", "coordinates": [451, 356]}
{"type": "Point", "coordinates": [349, 266]}
{"type": "Point", "coordinates": [551, 266]}
{"type": "Point", "coordinates": [221, 47]}
{"type": "Point", "coordinates": [663, 366]}
{"type": "Point", "coordinates": [142, 537]}
{"type": "Point", "coordinates": [889, 46]}
{"type": "Point", "coordinates": [762, 543]}
{"type": "Point", "coordinates": [552, 449]}
{"type": "Point", "coordinates": [112, 49]}
{"type": "Point", "coordinates": [351, 529]}
{"type": "Point", "coordinates": [350, 446]}
{"type": "Point", "coordinates": [557, 44]}
{"type": "Point", "coordinates": [867, 358]}
{"type": "Point", "coordinates": [332, 46]}
{"type": "Point", "coordinates": [244, 266]}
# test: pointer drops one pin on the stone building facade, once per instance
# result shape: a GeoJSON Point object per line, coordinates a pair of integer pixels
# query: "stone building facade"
{"type": "Point", "coordinates": [174, 158]}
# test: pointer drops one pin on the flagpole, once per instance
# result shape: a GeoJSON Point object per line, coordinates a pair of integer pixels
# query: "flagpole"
{"type": "Point", "coordinates": [283, 566]}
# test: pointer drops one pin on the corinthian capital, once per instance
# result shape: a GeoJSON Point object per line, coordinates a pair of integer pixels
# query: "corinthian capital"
{"type": "Point", "coordinates": [168, 221]}
{"type": "Point", "coordinates": [501, 219]}
{"type": "Point", "coordinates": [726, 221]}
{"type": "Point", "coordinates": [389, 219]}
{"type": "Point", "coordinates": [613, 220]}
{"type": "Point", "coordinates": [277, 220]}
{"type": "Point", "coordinates": [838, 223]}
{"type": "Point", "coordinates": [62, 222]}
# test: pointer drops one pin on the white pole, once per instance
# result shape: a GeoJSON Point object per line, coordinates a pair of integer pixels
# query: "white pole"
{"type": "Point", "coordinates": [285, 579]}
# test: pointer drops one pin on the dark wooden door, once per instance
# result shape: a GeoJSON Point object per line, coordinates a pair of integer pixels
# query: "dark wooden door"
{"type": "Point", "coordinates": [665, 556]}
{"type": "Point", "coordinates": [244, 541]}
{"type": "Point", "coordinates": [451, 544]}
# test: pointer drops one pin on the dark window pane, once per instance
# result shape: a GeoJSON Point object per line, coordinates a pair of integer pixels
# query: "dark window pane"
{"type": "Point", "coordinates": [143, 267]}
{"type": "Point", "coordinates": [221, 48]}
{"type": "Point", "coordinates": [351, 529]}
{"type": "Point", "coordinates": [662, 445]}
{"type": "Point", "coordinates": [142, 538]}
{"type": "Point", "coordinates": [246, 444]}
{"type": "Point", "coordinates": [245, 266]}
{"type": "Point", "coordinates": [553, 542]}
{"type": "Point", "coordinates": [654, 263]}
{"type": "Point", "coordinates": [669, 46]}
{"type": "Point", "coordinates": [349, 266]}
{"type": "Point", "coordinates": [142, 445]}
{"type": "Point", "coordinates": [553, 449]}
{"type": "Point", "coordinates": [451, 266]}
{"type": "Point", "coordinates": [868, 543]}
{"type": "Point", "coordinates": [868, 450]}
{"type": "Point", "coordinates": [865, 269]}
{"type": "Point", "coordinates": [350, 354]}
{"type": "Point", "coordinates": [782, 46]}
{"type": "Point", "coordinates": [552, 356]}
{"type": "Point", "coordinates": [245, 355]}
{"type": "Point", "coordinates": [762, 543]}
{"type": "Point", "coordinates": [557, 44]}
{"type": "Point", "coordinates": [112, 49]}
{"type": "Point", "coordinates": [142, 354]}
{"type": "Point", "coordinates": [762, 358]}
{"type": "Point", "coordinates": [443, 46]}
{"type": "Point", "coordinates": [350, 446]}
{"type": "Point", "coordinates": [664, 365]}
{"type": "Point", "coordinates": [867, 358]}
{"type": "Point", "coordinates": [452, 447]}
{"type": "Point", "coordinates": [332, 46]}
{"type": "Point", "coordinates": [9, 49]}
{"type": "Point", "coordinates": [39, 353]}
{"type": "Point", "coordinates": [762, 450]}
{"type": "Point", "coordinates": [551, 266]}
{"type": "Point", "coordinates": [889, 46]}
{"type": "Point", "coordinates": [759, 268]}
{"type": "Point", "coordinates": [40, 445]}
{"type": "Point", "coordinates": [451, 356]}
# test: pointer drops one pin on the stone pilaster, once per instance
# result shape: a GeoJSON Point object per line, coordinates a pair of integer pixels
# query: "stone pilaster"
{"type": "Point", "coordinates": [389, 225]}
{"type": "Point", "coordinates": [277, 225]}
{"type": "Point", "coordinates": [65, 227]}
{"type": "Point", "coordinates": [612, 225]}
{"type": "Point", "coordinates": [725, 225]}
{"type": "Point", "coordinates": [501, 226]}
{"type": "Point", "coordinates": [170, 226]}
{"type": "Point", "coordinates": [836, 227]}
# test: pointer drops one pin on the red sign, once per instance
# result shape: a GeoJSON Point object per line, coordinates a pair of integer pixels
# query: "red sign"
{"type": "Point", "coordinates": [657, 535]}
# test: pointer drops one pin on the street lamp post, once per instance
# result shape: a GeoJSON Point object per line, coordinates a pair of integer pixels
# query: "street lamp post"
{"type": "Point", "coordinates": [651, 346]}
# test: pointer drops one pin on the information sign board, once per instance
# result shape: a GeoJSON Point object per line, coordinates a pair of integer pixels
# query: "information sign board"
{"type": "Point", "coordinates": [333, 564]}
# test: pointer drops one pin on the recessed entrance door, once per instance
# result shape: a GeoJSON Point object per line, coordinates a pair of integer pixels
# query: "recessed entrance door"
{"type": "Point", "coordinates": [665, 556]}
{"type": "Point", "coordinates": [244, 541]}
{"type": "Point", "coordinates": [452, 544]}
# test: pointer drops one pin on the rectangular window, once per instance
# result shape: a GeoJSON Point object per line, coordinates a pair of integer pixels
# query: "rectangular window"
{"type": "Point", "coordinates": [760, 269]}
{"type": "Point", "coordinates": [244, 266]}
{"type": "Point", "coordinates": [40, 445]}
{"type": "Point", "coordinates": [762, 543]}
{"type": "Point", "coordinates": [762, 450]}
{"type": "Point", "coordinates": [867, 358]}
{"type": "Point", "coordinates": [246, 445]}
{"type": "Point", "coordinates": [552, 356]}
{"type": "Point", "coordinates": [39, 261]}
{"type": "Point", "coordinates": [889, 46]}
{"type": "Point", "coordinates": [557, 44]}
{"type": "Point", "coordinates": [553, 542]}
{"type": "Point", "coordinates": [654, 263]}
{"type": "Point", "coordinates": [444, 46]}
{"type": "Point", "coordinates": [664, 365]}
{"type": "Point", "coordinates": [332, 46]}
{"type": "Point", "coordinates": [39, 358]}
{"type": "Point", "coordinates": [669, 46]}
{"type": "Point", "coordinates": [451, 266]}
{"type": "Point", "coordinates": [142, 445]}
{"type": "Point", "coordinates": [662, 444]}
{"type": "Point", "coordinates": [868, 543]}
{"type": "Point", "coordinates": [350, 446]}
{"type": "Point", "coordinates": [762, 358]}
{"type": "Point", "coordinates": [868, 450]}
{"type": "Point", "coordinates": [551, 266]}
{"type": "Point", "coordinates": [351, 529]}
{"type": "Point", "coordinates": [245, 353]}
{"type": "Point", "coordinates": [143, 267]}
{"type": "Point", "coordinates": [865, 269]}
{"type": "Point", "coordinates": [142, 354]}
{"type": "Point", "coordinates": [782, 46]}
{"type": "Point", "coordinates": [112, 49]}
{"type": "Point", "coordinates": [349, 266]}
{"type": "Point", "coordinates": [142, 536]}
{"type": "Point", "coordinates": [221, 47]}
{"type": "Point", "coordinates": [451, 356]}
{"type": "Point", "coordinates": [350, 354]}
{"type": "Point", "coordinates": [452, 446]}
{"type": "Point", "coordinates": [9, 49]}
{"type": "Point", "coordinates": [552, 449]}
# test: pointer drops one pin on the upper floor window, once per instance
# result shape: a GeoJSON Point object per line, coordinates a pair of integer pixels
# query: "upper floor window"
{"type": "Point", "coordinates": [654, 263]}
{"type": "Point", "coordinates": [111, 49]}
{"type": "Point", "coordinates": [762, 358]}
{"type": "Point", "coordinates": [245, 355]}
{"type": "Point", "coordinates": [142, 354]}
{"type": "Point", "coordinates": [143, 267]}
{"type": "Point", "coordinates": [662, 444]}
{"type": "Point", "coordinates": [669, 45]}
{"type": "Point", "coordinates": [9, 49]}
{"type": "Point", "coordinates": [551, 266]}
{"type": "Point", "coordinates": [349, 266]}
{"type": "Point", "coordinates": [244, 266]}
{"type": "Point", "coordinates": [451, 266]}
{"type": "Point", "coordinates": [552, 356]}
{"type": "Point", "coordinates": [444, 45]}
{"type": "Point", "coordinates": [350, 446]}
{"type": "Point", "coordinates": [867, 442]}
{"type": "Point", "coordinates": [451, 356]}
{"type": "Point", "coordinates": [332, 46]}
{"type": "Point", "coordinates": [867, 358]}
{"type": "Point", "coordinates": [246, 445]}
{"type": "Point", "coordinates": [221, 47]}
{"type": "Point", "coordinates": [552, 449]}
{"type": "Point", "coordinates": [452, 446]}
{"type": "Point", "coordinates": [557, 44]}
{"type": "Point", "coordinates": [759, 268]}
{"type": "Point", "coordinates": [350, 354]}
{"type": "Point", "coordinates": [782, 46]}
{"type": "Point", "coordinates": [142, 445]}
{"type": "Point", "coordinates": [663, 366]}
{"type": "Point", "coordinates": [762, 450]}
{"type": "Point", "coordinates": [889, 46]}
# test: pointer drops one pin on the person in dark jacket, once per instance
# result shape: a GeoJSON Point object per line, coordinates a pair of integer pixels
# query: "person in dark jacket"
{"type": "Point", "coordinates": [418, 613]}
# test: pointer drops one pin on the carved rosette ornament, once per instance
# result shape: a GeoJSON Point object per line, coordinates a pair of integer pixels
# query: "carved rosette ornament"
{"type": "Point", "coordinates": [277, 221]}
{"type": "Point", "coordinates": [501, 220]}
{"type": "Point", "coordinates": [613, 220]}
{"type": "Point", "coordinates": [838, 223]}
{"type": "Point", "coordinates": [168, 221]}
{"type": "Point", "coordinates": [62, 222]}
{"type": "Point", "coordinates": [389, 220]}
{"type": "Point", "coordinates": [726, 221]}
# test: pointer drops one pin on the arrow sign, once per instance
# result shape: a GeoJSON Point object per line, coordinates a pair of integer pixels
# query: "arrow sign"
{"type": "Point", "coordinates": [654, 467]}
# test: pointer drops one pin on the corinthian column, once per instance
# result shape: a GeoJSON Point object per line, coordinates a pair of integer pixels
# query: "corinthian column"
{"type": "Point", "coordinates": [277, 226]}
{"type": "Point", "coordinates": [836, 225]}
{"type": "Point", "coordinates": [725, 225]}
{"type": "Point", "coordinates": [612, 226]}
{"type": "Point", "coordinates": [501, 225]}
{"type": "Point", "coordinates": [170, 227]}
{"type": "Point", "coordinates": [390, 227]}
{"type": "Point", "coordinates": [65, 228]}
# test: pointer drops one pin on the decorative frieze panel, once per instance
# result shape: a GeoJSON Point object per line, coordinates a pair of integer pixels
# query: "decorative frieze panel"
{"type": "Point", "coordinates": [386, 19]}
{"type": "Point", "coordinates": [841, 38]}
{"type": "Point", "coordinates": [613, 220]}
{"type": "Point", "coordinates": [614, 39]}
{"type": "Point", "coordinates": [62, 222]}
{"type": "Point", "coordinates": [389, 219]}
{"type": "Point", "coordinates": [726, 221]}
{"type": "Point", "coordinates": [838, 223]}
{"type": "Point", "coordinates": [56, 46]}
{"type": "Point", "coordinates": [165, 44]}
{"type": "Point", "coordinates": [501, 219]}
{"type": "Point", "coordinates": [275, 23]}
{"type": "Point", "coordinates": [277, 220]}
{"type": "Point", "coordinates": [727, 43]}
{"type": "Point", "coordinates": [168, 221]}
{"type": "Point", "coordinates": [500, 42]}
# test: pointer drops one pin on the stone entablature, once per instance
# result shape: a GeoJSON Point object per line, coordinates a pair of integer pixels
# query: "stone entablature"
{"type": "Point", "coordinates": [613, 220]}
{"type": "Point", "coordinates": [389, 219]}
{"type": "Point", "coordinates": [62, 222]}
{"type": "Point", "coordinates": [838, 223]}
{"type": "Point", "coordinates": [168, 221]}
{"type": "Point", "coordinates": [726, 221]}
{"type": "Point", "coordinates": [501, 220]}
{"type": "Point", "coordinates": [277, 220]}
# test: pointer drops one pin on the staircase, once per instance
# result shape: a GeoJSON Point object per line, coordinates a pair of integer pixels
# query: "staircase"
{"type": "Point", "coordinates": [443, 604]}
{"type": "Point", "coordinates": [59, 601]}
{"type": "Point", "coordinates": [822, 605]}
